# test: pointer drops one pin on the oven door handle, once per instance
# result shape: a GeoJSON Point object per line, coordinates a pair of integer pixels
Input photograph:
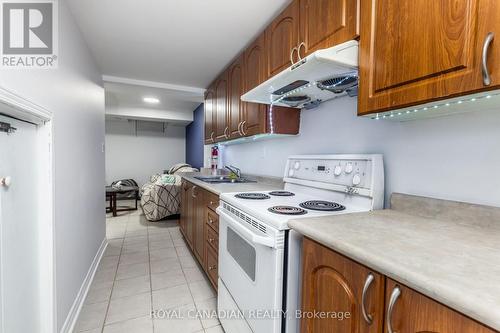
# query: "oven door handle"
{"type": "Point", "coordinates": [247, 234]}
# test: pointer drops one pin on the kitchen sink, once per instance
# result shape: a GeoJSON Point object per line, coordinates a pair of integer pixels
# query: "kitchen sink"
{"type": "Point", "coordinates": [223, 179]}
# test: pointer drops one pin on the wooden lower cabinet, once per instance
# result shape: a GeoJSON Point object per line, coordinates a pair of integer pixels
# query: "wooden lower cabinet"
{"type": "Point", "coordinates": [199, 208]}
{"type": "Point", "coordinates": [212, 266]}
{"type": "Point", "coordinates": [414, 312]}
{"type": "Point", "coordinates": [333, 283]}
{"type": "Point", "coordinates": [199, 224]}
{"type": "Point", "coordinates": [333, 286]}
{"type": "Point", "coordinates": [184, 209]}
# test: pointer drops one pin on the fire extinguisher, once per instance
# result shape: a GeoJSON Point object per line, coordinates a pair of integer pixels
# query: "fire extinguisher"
{"type": "Point", "coordinates": [215, 157]}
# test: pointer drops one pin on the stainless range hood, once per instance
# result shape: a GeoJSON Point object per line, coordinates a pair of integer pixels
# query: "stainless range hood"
{"type": "Point", "coordinates": [321, 76]}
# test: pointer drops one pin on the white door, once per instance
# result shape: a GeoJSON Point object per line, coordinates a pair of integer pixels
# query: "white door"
{"type": "Point", "coordinates": [19, 271]}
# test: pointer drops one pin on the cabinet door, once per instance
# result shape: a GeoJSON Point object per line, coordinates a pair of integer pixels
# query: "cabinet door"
{"type": "Point", "coordinates": [221, 127]}
{"type": "Point", "coordinates": [333, 285]}
{"type": "Point", "coordinates": [413, 312]}
{"type": "Point", "coordinates": [200, 207]}
{"type": "Point", "coordinates": [415, 51]}
{"type": "Point", "coordinates": [184, 205]}
{"type": "Point", "coordinates": [191, 216]}
{"type": "Point", "coordinates": [325, 23]}
{"type": "Point", "coordinates": [254, 115]}
{"type": "Point", "coordinates": [209, 115]}
{"type": "Point", "coordinates": [282, 36]}
{"type": "Point", "coordinates": [235, 110]}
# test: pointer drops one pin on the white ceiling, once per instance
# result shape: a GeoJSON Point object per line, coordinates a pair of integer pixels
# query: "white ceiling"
{"type": "Point", "coordinates": [183, 42]}
{"type": "Point", "coordinates": [127, 95]}
{"type": "Point", "coordinates": [167, 49]}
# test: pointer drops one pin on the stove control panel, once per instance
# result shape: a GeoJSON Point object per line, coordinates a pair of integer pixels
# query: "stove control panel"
{"type": "Point", "coordinates": [348, 172]}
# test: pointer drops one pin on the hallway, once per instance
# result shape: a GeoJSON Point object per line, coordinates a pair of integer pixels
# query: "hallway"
{"type": "Point", "coordinates": [147, 269]}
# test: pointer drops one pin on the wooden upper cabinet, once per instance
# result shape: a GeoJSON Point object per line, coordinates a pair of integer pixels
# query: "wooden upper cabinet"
{"type": "Point", "coordinates": [334, 284]}
{"type": "Point", "coordinates": [209, 112]}
{"type": "Point", "coordinates": [325, 23]}
{"type": "Point", "coordinates": [282, 36]}
{"type": "Point", "coordinates": [416, 51]}
{"type": "Point", "coordinates": [413, 312]}
{"type": "Point", "coordinates": [254, 115]}
{"type": "Point", "coordinates": [221, 127]}
{"type": "Point", "coordinates": [235, 105]}
{"type": "Point", "coordinates": [255, 64]}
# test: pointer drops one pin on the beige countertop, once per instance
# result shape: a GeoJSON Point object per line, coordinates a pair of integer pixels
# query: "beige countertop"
{"type": "Point", "coordinates": [446, 250]}
{"type": "Point", "coordinates": [261, 184]}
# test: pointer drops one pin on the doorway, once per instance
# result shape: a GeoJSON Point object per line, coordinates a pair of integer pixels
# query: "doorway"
{"type": "Point", "coordinates": [26, 223]}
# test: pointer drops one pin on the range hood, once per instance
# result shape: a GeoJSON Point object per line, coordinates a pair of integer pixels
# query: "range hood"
{"type": "Point", "coordinates": [321, 76]}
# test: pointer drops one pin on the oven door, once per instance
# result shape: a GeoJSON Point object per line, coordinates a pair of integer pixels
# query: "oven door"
{"type": "Point", "coordinates": [251, 269]}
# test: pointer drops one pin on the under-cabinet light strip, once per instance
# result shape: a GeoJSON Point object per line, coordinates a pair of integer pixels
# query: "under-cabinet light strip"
{"type": "Point", "coordinates": [294, 91]}
{"type": "Point", "coordinates": [393, 114]}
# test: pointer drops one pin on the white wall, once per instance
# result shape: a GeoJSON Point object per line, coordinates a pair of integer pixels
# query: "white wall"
{"type": "Point", "coordinates": [139, 154]}
{"type": "Point", "coordinates": [74, 93]}
{"type": "Point", "coordinates": [455, 157]}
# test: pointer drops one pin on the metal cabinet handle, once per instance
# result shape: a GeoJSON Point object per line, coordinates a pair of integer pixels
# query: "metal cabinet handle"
{"type": "Point", "coordinates": [242, 127]}
{"type": "Point", "coordinates": [225, 132]}
{"type": "Point", "coordinates": [239, 128]}
{"type": "Point", "coordinates": [298, 49]}
{"type": "Point", "coordinates": [212, 136]}
{"type": "Point", "coordinates": [192, 191]}
{"type": "Point", "coordinates": [211, 268]}
{"type": "Point", "coordinates": [291, 55]}
{"type": "Point", "coordinates": [210, 221]}
{"type": "Point", "coordinates": [486, 45]}
{"type": "Point", "coordinates": [396, 292]}
{"type": "Point", "coordinates": [211, 240]}
{"type": "Point", "coordinates": [368, 317]}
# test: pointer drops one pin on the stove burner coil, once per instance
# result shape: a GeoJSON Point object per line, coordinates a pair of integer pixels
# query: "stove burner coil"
{"type": "Point", "coordinates": [325, 206]}
{"type": "Point", "coordinates": [252, 196]}
{"type": "Point", "coordinates": [282, 193]}
{"type": "Point", "coordinates": [287, 210]}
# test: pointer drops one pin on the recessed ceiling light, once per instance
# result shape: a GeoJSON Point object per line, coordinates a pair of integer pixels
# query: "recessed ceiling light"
{"type": "Point", "coordinates": [151, 100]}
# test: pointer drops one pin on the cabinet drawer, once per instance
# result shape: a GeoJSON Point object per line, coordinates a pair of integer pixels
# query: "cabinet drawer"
{"type": "Point", "coordinates": [213, 239]}
{"type": "Point", "coordinates": [213, 220]}
{"type": "Point", "coordinates": [212, 266]}
{"type": "Point", "coordinates": [212, 201]}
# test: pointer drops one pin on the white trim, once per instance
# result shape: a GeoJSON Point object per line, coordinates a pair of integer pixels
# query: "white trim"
{"type": "Point", "coordinates": [69, 323]}
{"type": "Point", "coordinates": [47, 234]}
{"type": "Point", "coordinates": [153, 84]}
{"type": "Point", "coordinates": [23, 108]}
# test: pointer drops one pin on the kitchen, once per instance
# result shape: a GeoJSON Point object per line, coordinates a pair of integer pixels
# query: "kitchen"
{"type": "Point", "coordinates": [273, 166]}
{"type": "Point", "coordinates": [412, 115]}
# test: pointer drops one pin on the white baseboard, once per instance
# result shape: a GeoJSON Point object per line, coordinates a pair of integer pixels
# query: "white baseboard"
{"type": "Point", "coordinates": [69, 323]}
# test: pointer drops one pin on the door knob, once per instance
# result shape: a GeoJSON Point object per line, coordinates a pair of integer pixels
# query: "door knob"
{"type": "Point", "coordinates": [5, 181]}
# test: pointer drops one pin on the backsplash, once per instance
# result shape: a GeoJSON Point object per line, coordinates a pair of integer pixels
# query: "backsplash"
{"type": "Point", "coordinates": [454, 158]}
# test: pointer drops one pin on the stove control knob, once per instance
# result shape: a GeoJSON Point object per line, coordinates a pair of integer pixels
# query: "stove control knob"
{"type": "Point", "coordinates": [291, 173]}
{"type": "Point", "coordinates": [348, 168]}
{"type": "Point", "coordinates": [356, 180]}
{"type": "Point", "coordinates": [338, 170]}
{"type": "Point", "coordinates": [296, 165]}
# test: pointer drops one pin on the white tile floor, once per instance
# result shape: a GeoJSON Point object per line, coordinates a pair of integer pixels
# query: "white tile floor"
{"type": "Point", "coordinates": [147, 267]}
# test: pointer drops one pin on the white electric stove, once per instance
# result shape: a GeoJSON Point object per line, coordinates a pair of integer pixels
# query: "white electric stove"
{"type": "Point", "coordinates": [259, 257]}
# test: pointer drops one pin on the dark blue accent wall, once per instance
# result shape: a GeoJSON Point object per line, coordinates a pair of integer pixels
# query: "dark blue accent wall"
{"type": "Point", "coordinates": [195, 139]}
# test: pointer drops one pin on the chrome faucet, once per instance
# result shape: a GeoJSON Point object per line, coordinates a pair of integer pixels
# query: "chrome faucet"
{"type": "Point", "coordinates": [234, 170]}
